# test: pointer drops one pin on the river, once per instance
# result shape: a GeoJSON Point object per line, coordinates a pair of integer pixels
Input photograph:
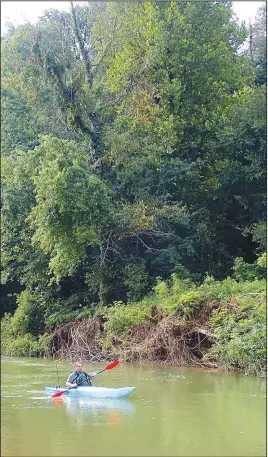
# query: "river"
{"type": "Point", "coordinates": [172, 412]}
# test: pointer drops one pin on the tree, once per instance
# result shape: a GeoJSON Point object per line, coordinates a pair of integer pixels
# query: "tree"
{"type": "Point", "coordinates": [134, 144]}
{"type": "Point", "coordinates": [258, 47]}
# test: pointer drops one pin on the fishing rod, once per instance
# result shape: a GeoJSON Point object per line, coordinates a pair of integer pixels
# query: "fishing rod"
{"type": "Point", "coordinates": [58, 375]}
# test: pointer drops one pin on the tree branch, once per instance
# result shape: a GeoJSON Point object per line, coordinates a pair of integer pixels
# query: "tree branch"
{"type": "Point", "coordinates": [84, 53]}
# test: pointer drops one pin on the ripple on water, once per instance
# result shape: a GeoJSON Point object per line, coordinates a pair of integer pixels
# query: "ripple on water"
{"type": "Point", "coordinates": [39, 398]}
{"type": "Point", "coordinates": [34, 391]}
{"type": "Point", "coordinates": [24, 363]}
{"type": "Point", "coordinates": [11, 396]}
{"type": "Point", "coordinates": [18, 376]}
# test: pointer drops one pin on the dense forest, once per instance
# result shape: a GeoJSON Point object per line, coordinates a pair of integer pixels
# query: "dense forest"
{"type": "Point", "coordinates": [133, 160]}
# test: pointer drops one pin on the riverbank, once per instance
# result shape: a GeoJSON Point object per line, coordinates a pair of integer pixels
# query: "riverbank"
{"type": "Point", "coordinates": [218, 324]}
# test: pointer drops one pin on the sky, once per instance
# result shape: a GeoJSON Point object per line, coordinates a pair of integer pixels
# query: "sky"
{"type": "Point", "coordinates": [17, 11]}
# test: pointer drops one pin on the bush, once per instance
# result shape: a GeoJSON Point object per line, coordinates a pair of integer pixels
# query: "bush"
{"type": "Point", "coordinates": [29, 315]}
{"type": "Point", "coordinates": [121, 318]}
{"type": "Point", "coordinates": [259, 232]}
{"type": "Point", "coordinates": [223, 291]}
{"type": "Point", "coordinates": [61, 311]}
{"type": "Point", "coordinates": [189, 304]}
{"type": "Point", "coordinates": [179, 286]}
{"type": "Point", "coordinates": [7, 334]}
{"type": "Point", "coordinates": [241, 337]}
{"type": "Point", "coordinates": [62, 317]}
{"type": "Point", "coordinates": [136, 279]}
{"type": "Point", "coordinates": [161, 289]}
{"type": "Point", "coordinates": [262, 261]}
{"type": "Point", "coordinates": [21, 345]}
{"type": "Point", "coordinates": [218, 290]}
{"type": "Point", "coordinates": [173, 287]}
{"type": "Point", "coordinates": [249, 271]}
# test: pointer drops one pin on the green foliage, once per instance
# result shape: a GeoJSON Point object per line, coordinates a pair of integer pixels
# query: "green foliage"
{"type": "Point", "coordinates": [179, 285]}
{"type": "Point", "coordinates": [134, 148]}
{"type": "Point", "coordinates": [136, 278]}
{"type": "Point", "coordinates": [29, 315]}
{"type": "Point", "coordinates": [262, 261]}
{"type": "Point", "coordinates": [21, 345]}
{"type": "Point", "coordinates": [19, 260]}
{"type": "Point", "coordinates": [223, 291]}
{"type": "Point", "coordinates": [241, 337]}
{"type": "Point", "coordinates": [189, 304]}
{"type": "Point", "coordinates": [161, 289]}
{"type": "Point", "coordinates": [73, 205]}
{"type": "Point", "coordinates": [258, 45]}
{"type": "Point", "coordinates": [248, 272]}
{"type": "Point", "coordinates": [154, 82]}
{"type": "Point", "coordinates": [27, 346]}
{"type": "Point", "coordinates": [121, 318]}
{"type": "Point", "coordinates": [6, 332]}
{"type": "Point", "coordinates": [62, 317]}
{"type": "Point", "coordinates": [174, 287]}
{"type": "Point", "coordinates": [259, 232]}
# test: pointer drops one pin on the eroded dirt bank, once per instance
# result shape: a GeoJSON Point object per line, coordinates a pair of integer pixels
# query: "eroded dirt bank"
{"type": "Point", "coordinates": [163, 340]}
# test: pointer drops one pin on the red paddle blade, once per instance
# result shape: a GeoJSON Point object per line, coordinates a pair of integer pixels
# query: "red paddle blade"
{"type": "Point", "coordinates": [58, 394]}
{"type": "Point", "coordinates": [112, 365]}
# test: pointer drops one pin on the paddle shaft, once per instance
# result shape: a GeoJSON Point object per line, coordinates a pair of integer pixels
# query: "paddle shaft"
{"type": "Point", "coordinates": [98, 372]}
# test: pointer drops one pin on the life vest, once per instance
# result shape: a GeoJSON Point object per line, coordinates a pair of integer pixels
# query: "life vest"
{"type": "Point", "coordinates": [82, 378]}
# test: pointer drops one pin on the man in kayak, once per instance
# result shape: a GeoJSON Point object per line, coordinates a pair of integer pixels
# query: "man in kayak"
{"type": "Point", "coordinates": [79, 377]}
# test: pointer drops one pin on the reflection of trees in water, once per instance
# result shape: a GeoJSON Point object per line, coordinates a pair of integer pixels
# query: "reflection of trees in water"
{"type": "Point", "coordinates": [80, 408]}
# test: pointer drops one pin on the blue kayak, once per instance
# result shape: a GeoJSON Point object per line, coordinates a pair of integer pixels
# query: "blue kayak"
{"type": "Point", "coordinates": [92, 391]}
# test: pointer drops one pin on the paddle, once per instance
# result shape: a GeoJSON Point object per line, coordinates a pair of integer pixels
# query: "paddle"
{"type": "Point", "coordinates": [109, 367]}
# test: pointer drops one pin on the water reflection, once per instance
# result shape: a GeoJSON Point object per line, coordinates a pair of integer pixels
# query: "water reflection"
{"type": "Point", "coordinates": [101, 411]}
{"type": "Point", "coordinates": [88, 405]}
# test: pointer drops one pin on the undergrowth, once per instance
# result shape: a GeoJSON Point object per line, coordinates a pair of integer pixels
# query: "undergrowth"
{"type": "Point", "coordinates": [230, 314]}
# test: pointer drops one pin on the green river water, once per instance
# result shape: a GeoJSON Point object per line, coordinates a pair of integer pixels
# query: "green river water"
{"type": "Point", "coordinates": [172, 412]}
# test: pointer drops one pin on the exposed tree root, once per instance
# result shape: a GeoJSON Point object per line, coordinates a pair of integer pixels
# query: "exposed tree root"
{"type": "Point", "coordinates": [78, 340]}
{"type": "Point", "coordinates": [170, 340]}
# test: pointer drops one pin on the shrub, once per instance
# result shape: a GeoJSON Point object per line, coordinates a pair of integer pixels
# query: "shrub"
{"type": "Point", "coordinates": [179, 285]}
{"type": "Point", "coordinates": [262, 261]}
{"type": "Point", "coordinates": [122, 318]}
{"type": "Point", "coordinates": [223, 291]}
{"type": "Point", "coordinates": [7, 334]}
{"type": "Point", "coordinates": [174, 287]}
{"type": "Point", "coordinates": [259, 232]}
{"type": "Point", "coordinates": [29, 315]}
{"type": "Point", "coordinates": [62, 317]}
{"type": "Point", "coordinates": [248, 271]}
{"type": "Point", "coordinates": [218, 290]}
{"type": "Point", "coordinates": [44, 343]}
{"type": "Point", "coordinates": [59, 318]}
{"type": "Point", "coordinates": [241, 337]}
{"type": "Point", "coordinates": [161, 289]}
{"type": "Point", "coordinates": [136, 279]}
{"type": "Point", "coordinates": [189, 304]}
{"type": "Point", "coordinates": [21, 345]}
